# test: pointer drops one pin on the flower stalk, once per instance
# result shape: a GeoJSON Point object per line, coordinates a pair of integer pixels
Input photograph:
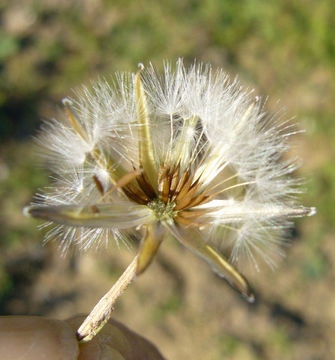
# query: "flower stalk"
{"type": "Point", "coordinates": [103, 310]}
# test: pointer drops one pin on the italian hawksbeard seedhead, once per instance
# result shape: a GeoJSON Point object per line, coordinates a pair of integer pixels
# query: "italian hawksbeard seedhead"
{"type": "Point", "coordinates": [187, 154]}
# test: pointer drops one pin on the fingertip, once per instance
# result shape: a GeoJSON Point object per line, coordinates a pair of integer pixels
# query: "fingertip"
{"type": "Point", "coordinates": [117, 340]}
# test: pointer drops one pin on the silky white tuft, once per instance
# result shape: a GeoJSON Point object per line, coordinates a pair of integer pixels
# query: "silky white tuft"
{"type": "Point", "coordinates": [187, 153]}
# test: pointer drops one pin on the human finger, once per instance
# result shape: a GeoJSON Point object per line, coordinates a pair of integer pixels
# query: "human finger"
{"type": "Point", "coordinates": [36, 338]}
{"type": "Point", "coordinates": [115, 342]}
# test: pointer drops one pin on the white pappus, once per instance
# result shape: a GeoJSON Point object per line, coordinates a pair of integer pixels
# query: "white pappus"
{"type": "Point", "coordinates": [187, 154]}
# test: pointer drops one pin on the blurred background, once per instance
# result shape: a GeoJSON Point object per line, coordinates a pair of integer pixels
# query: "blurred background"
{"type": "Point", "coordinates": [282, 48]}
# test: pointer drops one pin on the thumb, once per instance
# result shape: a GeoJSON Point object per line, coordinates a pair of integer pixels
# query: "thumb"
{"type": "Point", "coordinates": [36, 338]}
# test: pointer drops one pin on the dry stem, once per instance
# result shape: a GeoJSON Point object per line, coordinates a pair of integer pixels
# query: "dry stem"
{"type": "Point", "coordinates": [102, 311]}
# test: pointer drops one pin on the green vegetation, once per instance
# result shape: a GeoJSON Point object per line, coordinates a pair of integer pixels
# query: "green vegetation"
{"type": "Point", "coordinates": [171, 305]}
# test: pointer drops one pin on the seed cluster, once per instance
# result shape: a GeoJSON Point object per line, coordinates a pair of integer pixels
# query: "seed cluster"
{"type": "Point", "coordinates": [178, 192]}
{"type": "Point", "coordinates": [188, 154]}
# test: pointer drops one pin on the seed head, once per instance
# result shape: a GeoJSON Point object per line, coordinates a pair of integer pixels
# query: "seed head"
{"type": "Point", "coordinates": [188, 154]}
